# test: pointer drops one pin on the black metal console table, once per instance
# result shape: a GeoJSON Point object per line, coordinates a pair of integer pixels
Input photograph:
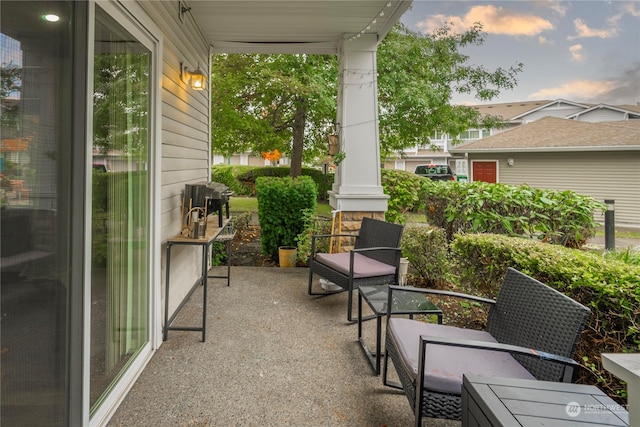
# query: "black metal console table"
{"type": "Point", "coordinates": [224, 234]}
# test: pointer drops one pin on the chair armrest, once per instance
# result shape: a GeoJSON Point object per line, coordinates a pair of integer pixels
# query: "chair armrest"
{"type": "Point", "coordinates": [379, 248]}
{"type": "Point", "coordinates": [443, 293]}
{"type": "Point", "coordinates": [507, 348]}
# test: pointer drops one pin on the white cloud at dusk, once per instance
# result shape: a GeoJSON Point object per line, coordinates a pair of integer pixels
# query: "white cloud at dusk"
{"type": "Point", "coordinates": [495, 20]}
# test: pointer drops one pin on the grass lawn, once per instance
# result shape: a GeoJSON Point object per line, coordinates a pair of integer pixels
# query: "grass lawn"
{"type": "Point", "coordinates": [250, 204]}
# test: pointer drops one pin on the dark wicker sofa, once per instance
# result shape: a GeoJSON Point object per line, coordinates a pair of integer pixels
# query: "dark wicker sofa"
{"type": "Point", "coordinates": [532, 332]}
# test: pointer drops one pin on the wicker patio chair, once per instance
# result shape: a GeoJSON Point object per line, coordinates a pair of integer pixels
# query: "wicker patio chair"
{"type": "Point", "coordinates": [532, 332]}
{"type": "Point", "coordinates": [374, 260]}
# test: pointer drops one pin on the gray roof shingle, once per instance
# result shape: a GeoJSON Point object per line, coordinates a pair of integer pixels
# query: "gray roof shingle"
{"type": "Point", "coordinates": [556, 134]}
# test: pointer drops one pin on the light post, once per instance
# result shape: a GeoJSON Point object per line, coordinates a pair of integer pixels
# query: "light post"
{"type": "Point", "coordinates": [610, 225]}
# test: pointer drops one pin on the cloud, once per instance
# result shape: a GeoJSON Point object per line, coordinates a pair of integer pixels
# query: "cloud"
{"type": "Point", "coordinates": [626, 86]}
{"type": "Point", "coordinates": [577, 90]}
{"type": "Point", "coordinates": [583, 31]}
{"type": "Point", "coordinates": [632, 8]}
{"type": "Point", "coordinates": [557, 6]}
{"type": "Point", "coordinates": [494, 20]}
{"type": "Point", "coordinates": [576, 53]}
{"type": "Point", "coordinates": [544, 40]}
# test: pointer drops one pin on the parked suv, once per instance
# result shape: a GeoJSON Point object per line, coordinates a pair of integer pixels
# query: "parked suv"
{"type": "Point", "coordinates": [436, 172]}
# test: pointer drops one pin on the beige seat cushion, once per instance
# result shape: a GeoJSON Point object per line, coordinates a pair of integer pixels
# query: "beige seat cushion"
{"type": "Point", "coordinates": [445, 365]}
{"type": "Point", "coordinates": [363, 266]}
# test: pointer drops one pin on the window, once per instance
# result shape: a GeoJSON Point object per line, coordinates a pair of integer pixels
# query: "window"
{"type": "Point", "coordinates": [475, 134]}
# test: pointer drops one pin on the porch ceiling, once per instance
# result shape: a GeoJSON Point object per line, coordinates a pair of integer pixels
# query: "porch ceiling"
{"type": "Point", "coordinates": [291, 26]}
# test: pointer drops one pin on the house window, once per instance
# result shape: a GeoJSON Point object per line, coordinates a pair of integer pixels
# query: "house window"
{"type": "Point", "coordinates": [472, 134]}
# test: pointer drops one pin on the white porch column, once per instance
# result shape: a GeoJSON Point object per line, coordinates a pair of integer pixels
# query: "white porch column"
{"type": "Point", "coordinates": [357, 185]}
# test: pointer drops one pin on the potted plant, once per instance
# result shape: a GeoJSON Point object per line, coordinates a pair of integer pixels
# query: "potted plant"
{"type": "Point", "coordinates": [339, 157]}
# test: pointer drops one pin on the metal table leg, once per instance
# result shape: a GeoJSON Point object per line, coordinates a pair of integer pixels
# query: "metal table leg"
{"type": "Point", "coordinates": [165, 327]}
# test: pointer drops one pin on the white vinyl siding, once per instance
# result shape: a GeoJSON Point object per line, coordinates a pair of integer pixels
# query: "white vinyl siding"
{"type": "Point", "coordinates": [602, 115]}
{"type": "Point", "coordinates": [185, 136]}
{"type": "Point", "coordinates": [601, 175]}
{"type": "Point", "coordinates": [555, 110]}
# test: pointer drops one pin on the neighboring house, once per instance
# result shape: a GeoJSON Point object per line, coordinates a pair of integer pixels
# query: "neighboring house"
{"type": "Point", "coordinates": [514, 114]}
{"type": "Point", "coordinates": [247, 159]}
{"type": "Point", "coordinates": [591, 149]}
{"type": "Point", "coordinates": [104, 122]}
{"type": "Point", "coordinates": [598, 159]}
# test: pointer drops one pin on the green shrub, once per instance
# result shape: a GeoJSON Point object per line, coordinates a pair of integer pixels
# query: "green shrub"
{"type": "Point", "coordinates": [281, 202]}
{"type": "Point", "coordinates": [405, 193]}
{"type": "Point", "coordinates": [560, 217]}
{"type": "Point", "coordinates": [628, 256]}
{"type": "Point", "coordinates": [227, 176]}
{"type": "Point", "coordinates": [426, 249]}
{"type": "Point", "coordinates": [244, 177]}
{"type": "Point", "coordinates": [313, 224]}
{"type": "Point", "coordinates": [609, 287]}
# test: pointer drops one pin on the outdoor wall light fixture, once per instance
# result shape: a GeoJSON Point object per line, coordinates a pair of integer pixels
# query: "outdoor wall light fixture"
{"type": "Point", "coordinates": [510, 162]}
{"type": "Point", "coordinates": [195, 78]}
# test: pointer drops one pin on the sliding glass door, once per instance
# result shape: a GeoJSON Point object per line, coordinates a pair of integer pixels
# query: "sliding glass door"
{"type": "Point", "coordinates": [36, 210]}
{"type": "Point", "coordinates": [75, 207]}
{"type": "Point", "coordinates": [120, 263]}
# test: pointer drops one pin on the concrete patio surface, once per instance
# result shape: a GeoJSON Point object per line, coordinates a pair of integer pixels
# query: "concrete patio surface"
{"type": "Point", "coordinates": [273, 356]}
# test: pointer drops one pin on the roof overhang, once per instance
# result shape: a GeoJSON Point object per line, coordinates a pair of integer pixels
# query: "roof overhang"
{"type": "Point", "coordinates": [291, 26]}
{"type": "Point", "coordinates": [545, 149]}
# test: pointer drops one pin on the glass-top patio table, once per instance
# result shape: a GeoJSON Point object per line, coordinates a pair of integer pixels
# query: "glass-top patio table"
{"type": "Point", "coordinates": [403, 302]}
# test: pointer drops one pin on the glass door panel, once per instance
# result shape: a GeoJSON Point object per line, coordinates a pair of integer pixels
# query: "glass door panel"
{"type": "Point", "coordinates": [120, 204]}
{"type": "Point", "coordinates": [36, 101]}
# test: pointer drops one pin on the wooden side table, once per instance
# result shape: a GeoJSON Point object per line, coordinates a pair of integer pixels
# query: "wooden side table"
{"type": "Point", "coordinates": [223, 233]}
{"type": "Point", "coordinates": [490, 401]}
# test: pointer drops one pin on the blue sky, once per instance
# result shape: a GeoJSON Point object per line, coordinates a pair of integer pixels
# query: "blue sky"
{"type": "Point", "coordinates": [585, 51]}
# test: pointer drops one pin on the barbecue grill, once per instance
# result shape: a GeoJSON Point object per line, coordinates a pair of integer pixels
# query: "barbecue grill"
{"type": "Point", "coordinates": [210, 196]}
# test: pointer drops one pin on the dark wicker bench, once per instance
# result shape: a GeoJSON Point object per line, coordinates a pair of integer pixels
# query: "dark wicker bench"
{"type": "Point", "coordinates": [532, 332]}
{"type": "Point", "coordinates": [373, 261]}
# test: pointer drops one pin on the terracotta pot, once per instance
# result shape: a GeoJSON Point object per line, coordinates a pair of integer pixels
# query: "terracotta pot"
{"type": "Point", "coordinates": [287, 256]}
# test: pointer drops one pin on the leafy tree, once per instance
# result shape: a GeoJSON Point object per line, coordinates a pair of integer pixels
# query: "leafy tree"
{"type": "Point", "coordinates": [265, 102]}
{"type": "Point", "coordinates": [288, 102]}
{"type": "Point", "coordinates": [417, 77]}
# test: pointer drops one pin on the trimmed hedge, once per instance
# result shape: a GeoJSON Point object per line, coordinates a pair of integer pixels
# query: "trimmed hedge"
{"type": "Point", "coordinates": [281, 202]}
{"type": "Point", "coordinates": [405, 193]}
{"type": "Point", "coordinates": [611, 288]}
{"type": "Point", "coordinates": [242, 179]}
{"type": "Point", "coordinates": [559, 217]}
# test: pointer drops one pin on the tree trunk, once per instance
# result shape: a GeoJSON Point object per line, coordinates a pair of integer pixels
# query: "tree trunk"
{"type": "Point", "coordinates": [298, 140]}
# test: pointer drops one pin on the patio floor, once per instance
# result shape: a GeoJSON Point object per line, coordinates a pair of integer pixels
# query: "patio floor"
{"type": "Point", "coordinates": [273, 356]}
